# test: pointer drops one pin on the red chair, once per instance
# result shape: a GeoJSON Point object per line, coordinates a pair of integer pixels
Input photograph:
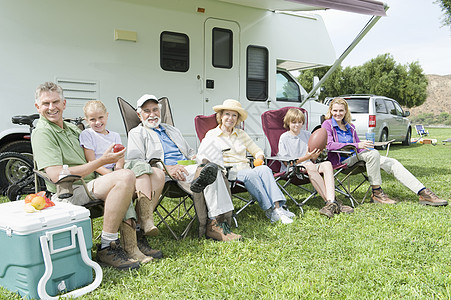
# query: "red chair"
{"type": "Point", "coordinates": [273, 128]}
{"type": "Point", "coordinates": [272, 122]}
{"type": "Point", "coordinates": [202, 125]}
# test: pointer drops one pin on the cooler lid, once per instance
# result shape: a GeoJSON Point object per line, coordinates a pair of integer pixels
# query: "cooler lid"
{"type": "Point", "coordinates": [14, 218]}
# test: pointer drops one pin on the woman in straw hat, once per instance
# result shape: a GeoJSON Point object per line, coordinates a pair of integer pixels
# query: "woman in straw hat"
{"type": "Point", "coordinates": [234, 143]}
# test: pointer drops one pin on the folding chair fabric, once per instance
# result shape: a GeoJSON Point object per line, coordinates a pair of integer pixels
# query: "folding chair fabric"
{"type": "Point", "coordinates": [420, 130]}
{"type": "Point", "coordinates": [172, 188]}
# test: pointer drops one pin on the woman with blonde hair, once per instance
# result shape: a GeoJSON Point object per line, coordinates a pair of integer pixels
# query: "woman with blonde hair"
{"type": "Point", "coordinates": [340, 132]}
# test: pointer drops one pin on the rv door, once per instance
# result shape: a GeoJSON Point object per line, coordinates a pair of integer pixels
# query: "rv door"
{"type": "Point", "coordinates": [221, 73]}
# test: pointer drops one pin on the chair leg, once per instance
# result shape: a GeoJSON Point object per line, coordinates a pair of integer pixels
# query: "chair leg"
{"type": "Point", "coordinates": [282, 187]}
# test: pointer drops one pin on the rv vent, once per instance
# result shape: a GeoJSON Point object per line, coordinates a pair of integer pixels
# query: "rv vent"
{"type": "Point", "coordinates": [77, 93]}
{"type": "Point", "coordinates": [79, 90]}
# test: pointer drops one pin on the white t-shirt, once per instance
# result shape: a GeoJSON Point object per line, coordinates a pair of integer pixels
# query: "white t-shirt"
{"type": "Point", "coordinates": [98, 142]}
{"type": "Point", "coordinates": [293, 146]}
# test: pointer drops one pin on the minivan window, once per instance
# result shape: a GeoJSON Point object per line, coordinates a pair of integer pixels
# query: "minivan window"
{"type": "Point", "coordinates": [286, 88]}
{"type": "Point", "coordinates": [398, 109]}
{"type": "Point", "coordinates": [380, 106]}
{"type": "Point", "coordinates": [357, 105]}
{"type": "Point", "coordinates": [390, 107]}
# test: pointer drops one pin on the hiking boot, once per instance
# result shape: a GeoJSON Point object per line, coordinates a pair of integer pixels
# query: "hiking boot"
{"type": "Point", "coordinates": [114, 256]}
{"type": "Point", "coordinates": [278, 214]}
{"type": "Point", "coordinates": [427, 197]}
{"type": "Point", "coordinates": [330, 209]}
{"type": "Point", "coordinates": [144, 247]}
{"type": "Point", "coordinates": [344, 208]}
{"type": "Point", "coordinates": [378, 196]}
{"type": "Point", "coordinates": [129, 242]}
{"type": "Point", "coordinates": [144, 210]}
{"type": "Point", "coordinates": [221, 232]}
{"type": "Point", "coordinates": [206, 177]}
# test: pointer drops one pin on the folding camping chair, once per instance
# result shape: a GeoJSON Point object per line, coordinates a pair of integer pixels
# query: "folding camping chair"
{"type": "Point", "coordinates": [421, 131]}
{"type": "Point", "coordinates": [343, 185]}
{"type": "Point", "coordinates": [272, 122]}
{"type": "Point", "coordinates": [185, 208]}
{"type": "Point", "coordinates": [203, 124]}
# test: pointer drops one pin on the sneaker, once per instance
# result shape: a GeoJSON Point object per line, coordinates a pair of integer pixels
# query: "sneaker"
{"type": "Point", "coordinates": [330, 209]}
{"type": "Point", "coordinates": [277, 214]}
{"type": "Point", "coordinates": [144, 247]}
{"type": "Point", "coordinates": [427, 197]}
{"type": "Point", "coordinates": [287, 213]}
{"type": "Point", "coordinates": [114, 256]}
{"type": "Point", "coordinates": [221, 232]}
{"type": "Point", "coordinates": [378, 196]}
{"type": "Point", "coordinates": [206, 177]}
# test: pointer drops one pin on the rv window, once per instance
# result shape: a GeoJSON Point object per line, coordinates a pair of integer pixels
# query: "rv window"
{"type": "Point", "coordinates": [222, 48]}
{"type": "Point", "coordinates": [257, 73]}
{"type": "Point", "coordinates": [174, 51]}
{"type": "Point", "coordinates": [286, 88]}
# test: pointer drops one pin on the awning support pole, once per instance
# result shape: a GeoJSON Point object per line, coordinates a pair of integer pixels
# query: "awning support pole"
{"type": "Point", "coordinates": [354, 43]}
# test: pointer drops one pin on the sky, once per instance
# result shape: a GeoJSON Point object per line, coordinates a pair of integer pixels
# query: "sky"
{"type": "Point", "coordinates": [411, 31]}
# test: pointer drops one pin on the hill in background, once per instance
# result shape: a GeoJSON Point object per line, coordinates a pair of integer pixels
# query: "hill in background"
{"type": "Point", "coordinates": [438, 96]}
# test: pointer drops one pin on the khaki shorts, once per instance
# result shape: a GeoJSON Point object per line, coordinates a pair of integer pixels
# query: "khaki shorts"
{"type": "Point", "coordinates": [79, 196]}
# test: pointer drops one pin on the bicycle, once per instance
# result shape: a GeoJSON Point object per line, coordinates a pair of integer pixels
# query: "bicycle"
{"type": "Point", "coordinates": [17, 177]}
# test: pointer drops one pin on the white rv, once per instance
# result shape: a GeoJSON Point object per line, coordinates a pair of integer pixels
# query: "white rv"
{"type": "Point", "coordinates": [195, 52]}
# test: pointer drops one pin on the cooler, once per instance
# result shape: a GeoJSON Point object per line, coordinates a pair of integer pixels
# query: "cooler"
{"type": "Point", "coordinates": [46, 254]}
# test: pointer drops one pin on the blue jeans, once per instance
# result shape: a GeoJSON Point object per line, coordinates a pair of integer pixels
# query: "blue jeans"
{"type": "Point", "coordinates": [260, 183]}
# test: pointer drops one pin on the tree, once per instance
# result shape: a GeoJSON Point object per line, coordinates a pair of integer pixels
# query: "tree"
{"type": "Point", "coordinates": [380, 76]}
{"type": "Point", "coordinates": [446, 8]}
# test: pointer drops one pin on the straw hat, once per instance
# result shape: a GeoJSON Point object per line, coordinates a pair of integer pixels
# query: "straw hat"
{"type": "Point", "coordinates": [234, 105]}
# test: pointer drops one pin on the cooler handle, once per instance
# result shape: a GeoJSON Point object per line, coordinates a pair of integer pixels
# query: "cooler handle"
{"type": "Point", "coordinates": [49, 235]}
{"type": "Point", "coordinates": [49, 268]}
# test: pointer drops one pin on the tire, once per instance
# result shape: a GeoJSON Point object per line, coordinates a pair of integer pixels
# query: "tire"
{"type": "Point", "coordinates": [17, 169]}
{"type": "Point", "coordinates": [406, 142]}
{"type": "Point", "coordinates": [22, 146]}
{"type": "Point", "coordinates": [383, 138]}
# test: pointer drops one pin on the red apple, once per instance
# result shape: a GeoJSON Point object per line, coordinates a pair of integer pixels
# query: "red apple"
{"type": "Point", "coordinates": [117, 148]}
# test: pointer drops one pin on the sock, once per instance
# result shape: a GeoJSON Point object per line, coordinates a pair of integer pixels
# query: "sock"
{"type": "Point", "coordinates": [106, 238]}
{"type": "Point", "coordinates": [421, 190]}
{"type": "Point", "coordinates": [379, 188]}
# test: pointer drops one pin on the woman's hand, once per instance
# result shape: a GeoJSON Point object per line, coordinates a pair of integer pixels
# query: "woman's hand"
{"type": "Point", "coordinates": [366, 145]}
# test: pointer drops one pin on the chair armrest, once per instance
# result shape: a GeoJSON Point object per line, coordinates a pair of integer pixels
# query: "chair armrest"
{"type": "Point", "coordinates": [156, 162]}
{"type": "Point", "coordinates": [64, 186]}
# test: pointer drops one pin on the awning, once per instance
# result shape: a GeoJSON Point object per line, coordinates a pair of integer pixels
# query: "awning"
{"type": "Point", "coordinates": [368, 7]}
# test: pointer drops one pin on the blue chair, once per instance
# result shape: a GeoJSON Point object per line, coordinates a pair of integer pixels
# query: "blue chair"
{"type": "Point", "coordinates": [421, 131]}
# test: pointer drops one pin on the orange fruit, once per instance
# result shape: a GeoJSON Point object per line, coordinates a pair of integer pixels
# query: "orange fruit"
{"type": "Point", "coordinates": [258, 162]}
{"type": "Point", "coordinates": [38, 202]}
{"type": "Point", "coordinates": [28, 198]}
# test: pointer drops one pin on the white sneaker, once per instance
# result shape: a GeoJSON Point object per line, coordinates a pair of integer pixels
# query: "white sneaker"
{"type": "Point", "coordinates": [288, 213]}
{"type": "Point", "coordinates": [277, 214]}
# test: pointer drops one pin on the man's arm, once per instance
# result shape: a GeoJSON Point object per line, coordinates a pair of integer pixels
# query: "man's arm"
{"type": "Point", "coordinates": [82, 170]}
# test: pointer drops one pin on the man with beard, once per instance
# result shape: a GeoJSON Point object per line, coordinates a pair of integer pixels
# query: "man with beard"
{"type": "Point", "coordinates": [153, 139]}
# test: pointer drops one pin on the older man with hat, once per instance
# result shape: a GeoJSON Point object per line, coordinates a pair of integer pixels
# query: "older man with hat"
{"type": "Point", "coordinates": [153, 139]}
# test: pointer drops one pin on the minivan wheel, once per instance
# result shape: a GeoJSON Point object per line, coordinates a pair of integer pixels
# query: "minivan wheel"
{"type": "Point", "coordinates": [383, 138]}
{"type": "Point", "coordinates": [406, 142]}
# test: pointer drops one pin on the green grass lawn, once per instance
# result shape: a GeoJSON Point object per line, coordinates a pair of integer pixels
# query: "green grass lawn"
{"type": "Point", "coordinates": [379, 252]}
